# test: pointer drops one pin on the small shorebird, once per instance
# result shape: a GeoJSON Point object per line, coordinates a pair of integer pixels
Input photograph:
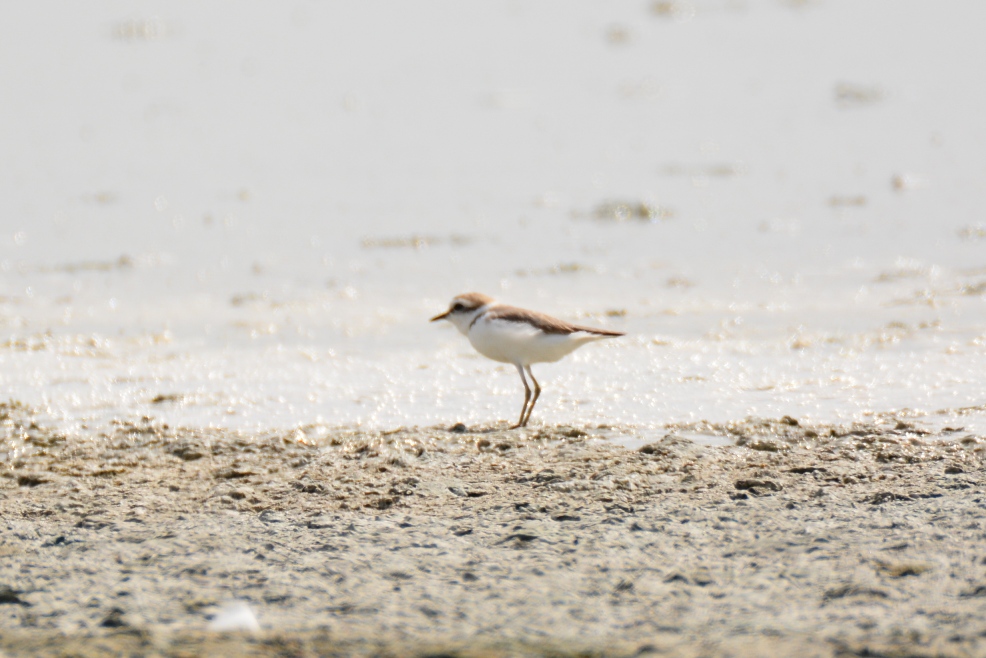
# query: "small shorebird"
{"type": "Point", "coordinates": [518, 336]}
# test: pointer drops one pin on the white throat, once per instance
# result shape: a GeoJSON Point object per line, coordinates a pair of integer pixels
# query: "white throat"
{"type": "Point", "coordinates": [464, 319]}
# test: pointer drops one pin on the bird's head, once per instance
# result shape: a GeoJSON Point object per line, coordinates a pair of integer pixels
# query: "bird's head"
{"type": "Point", "coordinates": [464, 309]}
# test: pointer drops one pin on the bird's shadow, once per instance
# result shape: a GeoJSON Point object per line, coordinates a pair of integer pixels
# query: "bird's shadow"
{"type": "Point", "coordinates": [462, 428]}
{"type": "Point", "coordinates": [504, 427]}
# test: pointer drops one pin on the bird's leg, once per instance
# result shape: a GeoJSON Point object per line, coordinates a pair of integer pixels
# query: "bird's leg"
{"type": "Point", "coordinates": [537, 392]}
{"type": "Point", "coordinates": [527, 396]}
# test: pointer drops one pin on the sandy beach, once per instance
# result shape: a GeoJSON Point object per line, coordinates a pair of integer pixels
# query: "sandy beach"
{"type": "Point", "coordinates": [864, 539]}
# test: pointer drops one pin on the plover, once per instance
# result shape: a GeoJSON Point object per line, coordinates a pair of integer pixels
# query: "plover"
{"type": "Point", "coordinates": [518, 336]}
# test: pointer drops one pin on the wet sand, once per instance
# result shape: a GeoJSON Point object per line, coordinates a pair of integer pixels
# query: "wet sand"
{"type": "Point", "coordinates": [864, 539]}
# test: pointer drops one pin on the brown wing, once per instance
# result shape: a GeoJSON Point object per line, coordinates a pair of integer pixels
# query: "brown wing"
{"type": "Point", "coordinates": [545, 323]}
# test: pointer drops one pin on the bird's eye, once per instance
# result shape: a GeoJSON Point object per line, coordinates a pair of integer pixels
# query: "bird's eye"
{"type": "Point", "coordinates": [458, 306]}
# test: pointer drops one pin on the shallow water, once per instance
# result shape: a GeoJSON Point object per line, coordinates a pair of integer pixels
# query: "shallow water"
{"type": "Point", "coordinates": [243, 215]}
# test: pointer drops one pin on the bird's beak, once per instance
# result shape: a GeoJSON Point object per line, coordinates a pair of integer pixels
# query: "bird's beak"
{"type": "Point", "coordinates": [441, 316]}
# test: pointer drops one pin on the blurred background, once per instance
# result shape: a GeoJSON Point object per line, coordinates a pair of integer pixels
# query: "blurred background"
{"type": "Point", "coordinates": [242, 214]}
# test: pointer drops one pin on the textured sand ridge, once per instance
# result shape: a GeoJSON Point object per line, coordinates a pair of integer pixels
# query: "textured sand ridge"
{"type": "Point", "coordinates": [825, 541]}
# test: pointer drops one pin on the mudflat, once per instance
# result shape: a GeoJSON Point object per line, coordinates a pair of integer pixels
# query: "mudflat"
{"type": "Point", "coordinates": [864, 539]}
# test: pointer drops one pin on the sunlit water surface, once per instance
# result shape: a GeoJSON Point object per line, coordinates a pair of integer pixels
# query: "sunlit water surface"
{"type": "Point", "coordinates": [242, 215]}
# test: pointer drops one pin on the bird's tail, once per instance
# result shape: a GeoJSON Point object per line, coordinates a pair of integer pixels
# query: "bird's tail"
{"type": "Point", "coordinates": [601, 333]}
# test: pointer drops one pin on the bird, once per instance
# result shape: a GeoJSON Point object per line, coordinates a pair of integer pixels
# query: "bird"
{"type": "Point", "coordinates": [519, 336]}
